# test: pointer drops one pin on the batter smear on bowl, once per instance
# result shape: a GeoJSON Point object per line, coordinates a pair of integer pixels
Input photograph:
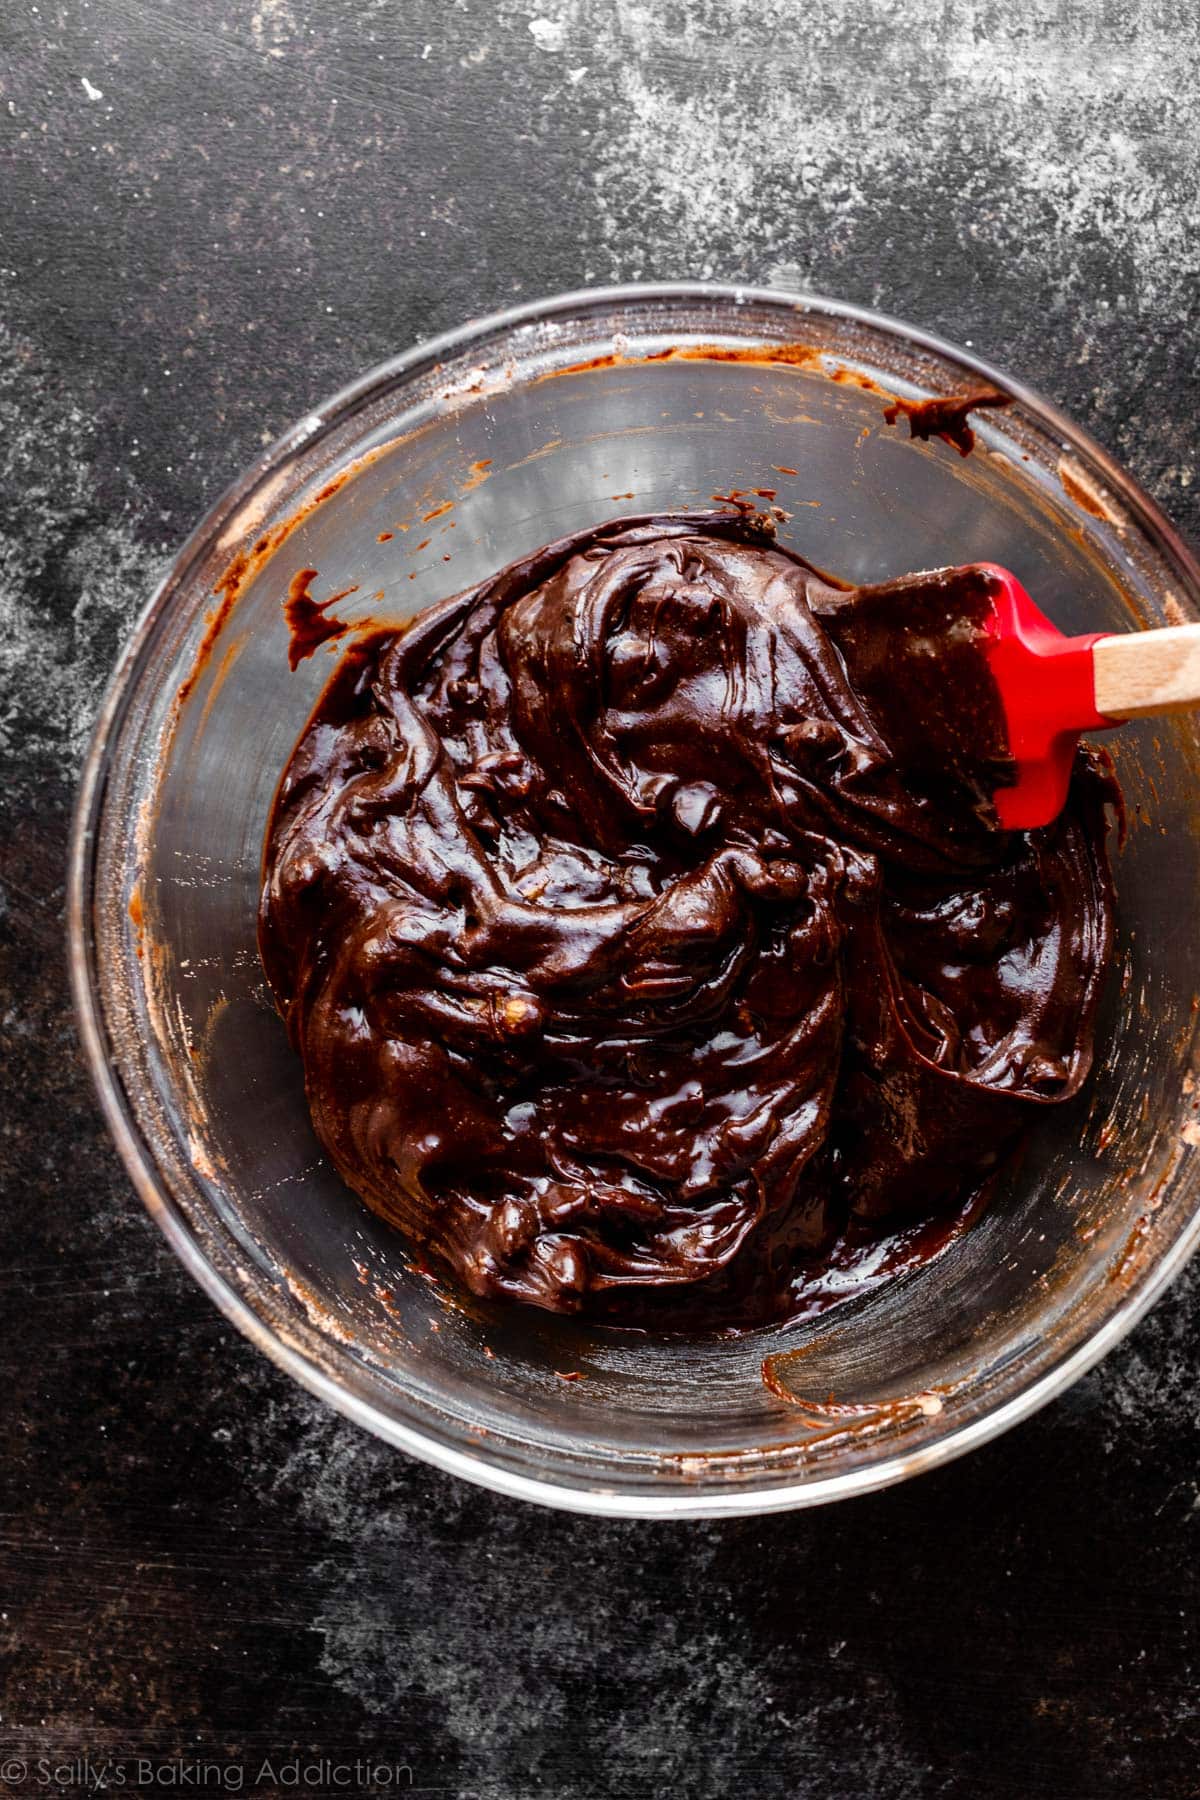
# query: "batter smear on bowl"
{"type": "Point", "coordinates": [649, 938]}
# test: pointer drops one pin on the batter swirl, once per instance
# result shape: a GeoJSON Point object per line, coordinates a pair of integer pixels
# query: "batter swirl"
{"type": "Point", "coordinates": [640, 957]}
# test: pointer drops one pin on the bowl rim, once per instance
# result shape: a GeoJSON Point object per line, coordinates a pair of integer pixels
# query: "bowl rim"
{"type": "Point", "coordinates": [565, 1493]}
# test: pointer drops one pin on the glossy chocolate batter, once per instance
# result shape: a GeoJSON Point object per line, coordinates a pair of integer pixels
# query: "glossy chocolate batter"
{"type": "Point", "coordinates": [643, 923]}
{"type": "Point", "coordinates": [945, 416]}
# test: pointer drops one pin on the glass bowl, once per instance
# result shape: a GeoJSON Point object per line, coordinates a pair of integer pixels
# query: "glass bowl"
{"type": "Point", "coordinates": [426, 475]}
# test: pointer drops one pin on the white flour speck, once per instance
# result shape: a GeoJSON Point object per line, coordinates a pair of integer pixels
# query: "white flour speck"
{"type": "Point", "coordinates": [548, 34]}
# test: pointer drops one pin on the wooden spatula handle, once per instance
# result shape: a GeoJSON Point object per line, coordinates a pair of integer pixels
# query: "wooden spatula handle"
{"type": "Point", "coordinates": [1147, 672]}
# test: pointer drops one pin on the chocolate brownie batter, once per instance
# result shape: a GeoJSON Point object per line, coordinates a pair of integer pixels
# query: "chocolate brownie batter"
{"type": "Point", "coordinates": [646, 931]}
{"type": "Point", "coordinates": [945, 416]}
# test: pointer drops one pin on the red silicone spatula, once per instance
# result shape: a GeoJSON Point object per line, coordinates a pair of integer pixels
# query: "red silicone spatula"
{"type": "Point", "coordinates": [1053, 688]}
{"type": "Point", "coordinates": [941, 708]}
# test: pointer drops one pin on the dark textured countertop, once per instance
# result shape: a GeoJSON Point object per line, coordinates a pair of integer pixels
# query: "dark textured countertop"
{"type": "Point", "coordinates": [212, 213]}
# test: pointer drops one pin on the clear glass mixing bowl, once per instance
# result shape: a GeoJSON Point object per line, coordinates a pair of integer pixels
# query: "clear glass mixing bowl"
{"type": "Point", "coordinates": [471, 450]}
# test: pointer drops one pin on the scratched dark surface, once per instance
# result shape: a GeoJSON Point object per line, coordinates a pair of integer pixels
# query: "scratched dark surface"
{"type": "Point", "coordinates": [212, 214]}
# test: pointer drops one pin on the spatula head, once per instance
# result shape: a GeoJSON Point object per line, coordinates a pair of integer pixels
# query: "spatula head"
{"type": "Point", "coordinates": [973, 682]}
{"type": "Point", "coordinates": [916, 652]}
{"type": "Point", "coordinates": [1047, 691]}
